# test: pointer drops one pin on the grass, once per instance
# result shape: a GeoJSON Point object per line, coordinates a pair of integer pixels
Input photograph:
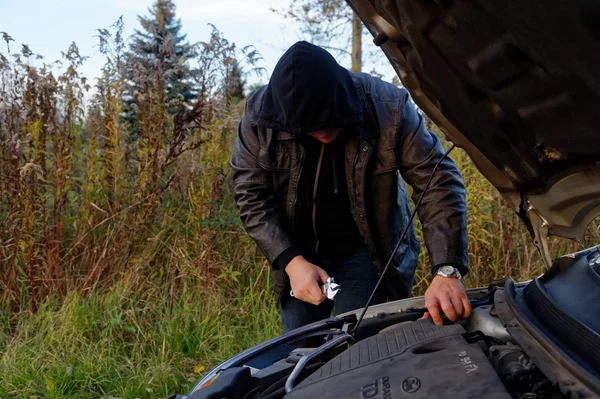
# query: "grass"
{"type": "Point", "coordinates": [130, 344]}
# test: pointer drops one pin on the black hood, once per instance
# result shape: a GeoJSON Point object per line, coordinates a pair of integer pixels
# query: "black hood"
{"type": "Point", "coordinates": [309, 91]}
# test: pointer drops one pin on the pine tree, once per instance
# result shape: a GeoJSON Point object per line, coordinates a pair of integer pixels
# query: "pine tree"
{"type": "Point", "coordinates": [158, 60]}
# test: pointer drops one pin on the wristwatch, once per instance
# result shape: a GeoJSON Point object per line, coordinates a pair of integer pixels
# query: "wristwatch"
{"type": "Point", "coordinates": [449, 271]}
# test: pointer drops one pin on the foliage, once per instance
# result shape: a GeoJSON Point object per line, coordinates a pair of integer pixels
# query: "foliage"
{"type": "Point", "coordinates": [131, 344]}
{"type": "Point", "coordinates": [325, 22]}
{"type": "Point", "coordinates": [332, 25]}
{"type": "Point", "coordinates": [80, 200]}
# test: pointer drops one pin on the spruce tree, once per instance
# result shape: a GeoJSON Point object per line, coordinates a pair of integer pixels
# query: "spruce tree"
{"type": "Point", "coordinates": [158, 61]}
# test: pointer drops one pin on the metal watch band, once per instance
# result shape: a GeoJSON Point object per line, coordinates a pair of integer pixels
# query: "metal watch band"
{"type": "Point", "coordinates": [449, 271]}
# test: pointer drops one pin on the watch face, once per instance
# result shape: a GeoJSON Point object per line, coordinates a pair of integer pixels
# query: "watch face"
{"type": "Point", "coordinates": [447, 270]}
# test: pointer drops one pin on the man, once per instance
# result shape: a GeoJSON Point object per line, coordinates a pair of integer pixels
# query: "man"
{"type": "Point", "coordinates": [317, 166]}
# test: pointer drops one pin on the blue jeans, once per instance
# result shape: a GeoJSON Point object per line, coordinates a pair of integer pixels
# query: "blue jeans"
{"type": "Point", "coordinates": [357, 278]}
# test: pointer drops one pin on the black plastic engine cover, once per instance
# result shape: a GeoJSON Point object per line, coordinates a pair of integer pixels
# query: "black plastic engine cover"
{"type": "Point", "coordinates": [414, 360]}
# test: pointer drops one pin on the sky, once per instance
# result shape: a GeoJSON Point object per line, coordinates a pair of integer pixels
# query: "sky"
{"type": "Point", "coordinates": [49, 27]}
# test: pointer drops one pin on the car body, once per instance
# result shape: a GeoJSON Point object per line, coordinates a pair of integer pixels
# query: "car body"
{"type": "Point", "coordinates": [517, 86]}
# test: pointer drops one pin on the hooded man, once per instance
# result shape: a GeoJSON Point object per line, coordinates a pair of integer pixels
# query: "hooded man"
{"type": "Point", "coordinates": [318, 167]}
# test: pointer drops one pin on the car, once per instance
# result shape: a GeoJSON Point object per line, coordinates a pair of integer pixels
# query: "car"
{"type": "Point", "coordinates": [517, 86]}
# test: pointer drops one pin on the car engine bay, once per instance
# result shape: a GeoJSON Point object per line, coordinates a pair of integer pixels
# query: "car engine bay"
{"type": "Point", "coordinates": [512, 346]}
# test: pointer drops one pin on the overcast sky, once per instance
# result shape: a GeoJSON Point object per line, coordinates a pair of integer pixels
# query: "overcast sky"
{"type": "Point", "coordinates": [49, 27]}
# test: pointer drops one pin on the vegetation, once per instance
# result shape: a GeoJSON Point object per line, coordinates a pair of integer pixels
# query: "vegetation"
{"type": "Point", "coordinates": [124, 271]}
{"type": "Point", "coordinates": [160, 39]}
{"type": "Point", "coordinates": [330, 24]}
{"type": "Point", "coordinates": [333, 25]}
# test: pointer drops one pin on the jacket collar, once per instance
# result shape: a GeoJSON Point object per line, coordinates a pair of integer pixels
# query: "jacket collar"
{"type": "Point", "coordinates": [368, 129]}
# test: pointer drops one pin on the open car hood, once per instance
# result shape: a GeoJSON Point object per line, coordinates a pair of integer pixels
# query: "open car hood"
{"type": "Point", "coordinates": [517, 86]}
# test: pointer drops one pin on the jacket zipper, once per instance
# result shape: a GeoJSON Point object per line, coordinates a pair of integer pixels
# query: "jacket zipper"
{"type": "Point", "coordinates": [314, 198]}
{"type": "Point", "coordinates": [295, 182]}
{"type": "Point", "coordinates": [368, 149]}
{"type": "Point", "coordinates": [293, 215]}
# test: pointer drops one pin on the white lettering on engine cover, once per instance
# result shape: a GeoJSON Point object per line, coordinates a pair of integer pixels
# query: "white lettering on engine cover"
{"type": "Point", "coordinates": [467, 363]}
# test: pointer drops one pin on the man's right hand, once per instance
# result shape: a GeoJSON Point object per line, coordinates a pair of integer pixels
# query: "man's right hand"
{"type": "Point", "coordinates": [305, 278]}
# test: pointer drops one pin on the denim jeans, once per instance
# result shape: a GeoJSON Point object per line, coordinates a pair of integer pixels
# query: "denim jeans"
{"type": "Point", "coordinates": [357, 278]}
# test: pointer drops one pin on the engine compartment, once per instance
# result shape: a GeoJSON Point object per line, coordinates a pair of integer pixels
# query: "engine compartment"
{"type": "Point", "coordinates": [408, 358]}
{"type": "Point", "coordinates": [506, 349]}
{"type": "Point", "coordinates": [416, 359]}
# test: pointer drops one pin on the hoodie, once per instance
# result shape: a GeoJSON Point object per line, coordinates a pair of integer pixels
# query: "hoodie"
{"type": "Point", "coordinates": [310, 91]}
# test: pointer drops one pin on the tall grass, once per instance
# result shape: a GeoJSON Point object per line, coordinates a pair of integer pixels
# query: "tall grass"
{"type": "Point", "coordinates": [124, 270]}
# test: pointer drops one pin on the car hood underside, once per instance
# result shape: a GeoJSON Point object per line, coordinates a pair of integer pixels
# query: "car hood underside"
{"type": "Point", "coordinates": [517, 86]}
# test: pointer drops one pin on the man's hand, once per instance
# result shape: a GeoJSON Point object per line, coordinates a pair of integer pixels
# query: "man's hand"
{"type": "Point", "coordinates": [305, 278]}
{"type": "Point", "coordinates": [448, 294]}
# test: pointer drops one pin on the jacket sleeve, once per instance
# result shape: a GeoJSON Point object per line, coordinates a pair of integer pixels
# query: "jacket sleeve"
{"type": "Point", "coordinates": [261, 216]}
{"type": "Point", "coordinates": [443, 209]}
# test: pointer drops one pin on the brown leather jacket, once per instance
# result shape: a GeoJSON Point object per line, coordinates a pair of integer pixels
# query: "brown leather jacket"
{"type": "Point", "coordinates": [392, 144]}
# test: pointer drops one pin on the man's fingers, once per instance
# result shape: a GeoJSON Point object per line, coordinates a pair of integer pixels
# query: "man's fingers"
{"type": "Point", "coordinates": [316, 295]}
{"type": "Point", "coordinates": [310, 293]}
{"type": "Point", "coordinates": [316, 288]}
{"type": "Point", "coordinates": [434, 312]}
{"type": "Point", "coordinates": [436, 316]}
{"type": "Point", "coordinates": [323, 276]}
{"type": "Point", "coordinates": [312, 298]}
{"type": "Point", "coordinates": [449, 295]}
{"type": "Point", "coordinates": [447, 307]}
{"type": "Point", "coordinates": [457, 304]}
{"type": "Point", "coordinates": [305, 279]}
{"type": "Point", "coordinates": [467, 307]}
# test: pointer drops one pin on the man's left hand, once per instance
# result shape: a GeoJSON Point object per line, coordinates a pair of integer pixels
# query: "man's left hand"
{"type": "Point", "coordinates": [449, 295]}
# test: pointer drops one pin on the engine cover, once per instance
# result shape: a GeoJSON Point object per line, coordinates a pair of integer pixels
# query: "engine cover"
{"type": "Point", "coordinates": [414, 360]}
